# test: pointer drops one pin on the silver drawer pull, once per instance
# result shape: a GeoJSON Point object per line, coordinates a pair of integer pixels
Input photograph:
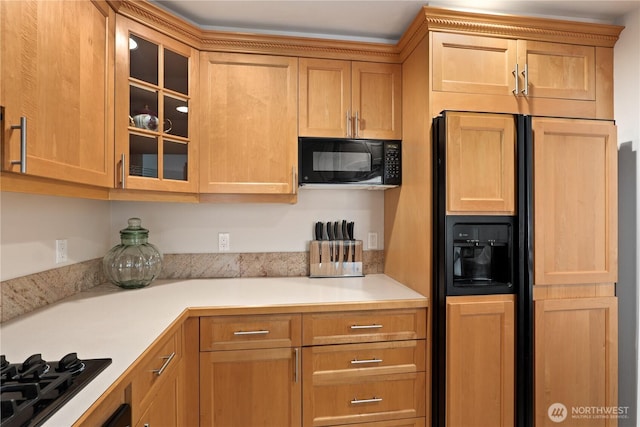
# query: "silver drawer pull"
{"type": "Point", "coordinates": [260, 332]}
{"type": "Point", "coordinates": [168, 360]}
{"type": "Point", "coordinates": [372, 400]}
{"type": "Point", "coordinates": [374, 326]}
{"type": "Point", "coordinates": [359, 362]}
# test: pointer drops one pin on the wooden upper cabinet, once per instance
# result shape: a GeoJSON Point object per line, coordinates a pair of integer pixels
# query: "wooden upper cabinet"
{"type": "Point", "coordinates": [480, 361]}
{"type": "Point", "coordinates": [65, 94]}
{"type": "Point", "coordinates": [345, 99]}
{"type": "Point", "coordinates": [376, 98]}
{"type": "Point", "coordinates": [480, 163]}
{"type": "Point", "coordinates": [325, 98]}
{"type": "Point", "coordinates": [156, 107]}
{"type": "Point", "coordinates": [575, 201]}
{"type": "Point", "coordinates": [473, 64]}
{"type": "Point", "coordinates": [556, 70]}
{"type": "Point", "coordinates": [487, 65]}
{"type": "Point", "coordinates": [249, 124]}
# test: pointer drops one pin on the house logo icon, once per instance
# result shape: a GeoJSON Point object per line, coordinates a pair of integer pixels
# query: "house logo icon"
{"type": "Point", "coordinates": [557, 412]}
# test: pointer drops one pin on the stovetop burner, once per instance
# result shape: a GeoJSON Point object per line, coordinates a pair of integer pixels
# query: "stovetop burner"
{"type": "Point", "coordinates": [33, 390]}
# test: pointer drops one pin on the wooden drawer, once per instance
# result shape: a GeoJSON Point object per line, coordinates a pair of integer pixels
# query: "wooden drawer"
{"type": "Point", "coordinates": [368, 399]}
{"type": "Point", "coordinates": [358, 360]}
{"type": "Point", "coordinates": [363, 326]}
{"type": "Point", "coordinates": [159, 362]}
{"type": "Point", "coordinates": [249, 332]}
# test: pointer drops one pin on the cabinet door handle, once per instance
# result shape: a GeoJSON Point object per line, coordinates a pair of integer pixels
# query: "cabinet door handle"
{"type": "Point", "coordinates": [525, 73]}
{"type": "Point", "coordinates": [516, 75]}
{"type": "Point", "coordinates": [294, 180]}
{"type": "Point", "coordinates": [360, 362]}
{"type": "Point", "coordinates": [123, 171]}
{"type": "Point", "coordinates": [260, 332]}
{"type": "Point", "coordinates": [357, 124]}
{"type": "Point", "coordinates": [296, 362]}
{"type": "Point", "coordinates": [348, 123]}
{"type": "Point", "coordinates": [372, 400]}
{"type": "Point", "coordinates": [374, 326]}
{"type": "Point", "coordinates": [23, 145]}
{"type": "Point", "coordinates": [167, 360]}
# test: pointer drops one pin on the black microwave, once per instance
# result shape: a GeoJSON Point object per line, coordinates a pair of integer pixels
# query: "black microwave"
{"type": "Point", "coordinates": [356, 162]}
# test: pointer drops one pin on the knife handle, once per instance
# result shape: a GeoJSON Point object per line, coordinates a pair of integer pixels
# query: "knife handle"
{"type": "Point", "coordinates": [350, 230]}
{"type": "Point", "coordinates": [336, 231]}
{"type": "Point", "coordinates": [319, 230]}
{"type": "Point", "coordinates": [329, 231]}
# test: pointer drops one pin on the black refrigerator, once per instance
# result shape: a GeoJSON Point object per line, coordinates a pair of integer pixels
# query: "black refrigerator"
{"type": "Point", "coordinates": [484, 255]}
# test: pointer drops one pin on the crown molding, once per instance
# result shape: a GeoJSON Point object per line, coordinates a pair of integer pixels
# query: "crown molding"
{"type": "Point", "coordinates": [428, 19]}
{"type": "Point", "coordinates": [511, 26]}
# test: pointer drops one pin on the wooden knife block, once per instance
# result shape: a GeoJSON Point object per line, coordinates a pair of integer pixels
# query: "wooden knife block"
{"type": "Point", "coordinates": [335, 258]}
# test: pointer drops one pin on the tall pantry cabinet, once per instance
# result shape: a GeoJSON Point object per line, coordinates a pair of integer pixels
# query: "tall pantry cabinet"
{"type": "Point", "coordinates": [539, 67]}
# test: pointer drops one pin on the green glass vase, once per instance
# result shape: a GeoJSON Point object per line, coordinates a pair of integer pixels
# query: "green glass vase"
{"type": "Point", "coordinates": [135, 262]}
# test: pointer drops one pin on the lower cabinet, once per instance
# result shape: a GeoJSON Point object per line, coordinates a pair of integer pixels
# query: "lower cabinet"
{"type": "Point", "coordinates": [360, 368]}
{"type": "Point", "coordinates": [163, 410]}
{"type": "Point", "coordinates": [480, 361]}
{"type": "Point", "coordinates": [250, 371]}
{"type": "Point", "coordinates": [250, 388]}
{"type": "Point", "coordinates": [346, 383]}
{"type": "Point", "coordinates": [576, 356]}
{"type": "Point", "coordinates": [158, 385]}
{"type": "Point", "coordinates": [364, 367]}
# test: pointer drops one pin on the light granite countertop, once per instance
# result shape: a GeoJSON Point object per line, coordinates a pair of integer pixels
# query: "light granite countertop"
{"type": "Point", "coordinates": [107, 321]}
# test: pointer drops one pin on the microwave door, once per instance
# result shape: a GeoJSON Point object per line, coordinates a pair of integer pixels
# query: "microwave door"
{"type": "Point", "coordinates": [341, 161]}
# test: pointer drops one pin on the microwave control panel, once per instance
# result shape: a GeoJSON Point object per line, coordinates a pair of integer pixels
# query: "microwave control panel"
{"type": "Point", "coordinates": [392, 164]}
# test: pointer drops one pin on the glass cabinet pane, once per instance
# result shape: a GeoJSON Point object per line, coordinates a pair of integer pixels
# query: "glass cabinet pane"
{"type": "Point", "coordinates": [176, 113]}
{"type": "Point", "coordinates": [143, 108]}
{"type": "Point", "coordinates": [143, 59]}
{"type": "Point", "coordinates": [176, 72]}
{"type": "Point", "coordinates": [143, 156]}
{"type": "Point", "coordinates": [175, 160]}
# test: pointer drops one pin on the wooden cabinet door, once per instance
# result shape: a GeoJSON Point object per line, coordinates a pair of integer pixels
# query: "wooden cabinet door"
{"type": "Point", "coordinates": [250, 388]}
{"type": "Point", "coordinates": [575, 201]}
{"type": "Point", "coordinates": [325, 98]}
{"type": "Point", "coordinates": [164, 409]}
{"type": "Point", "coordinates": [65, 94]}
{"type": "Point", "coordinates": [480, 361]}
{"type": "Point", "coordinates": [473, 64]}
{"type": "Point", "coordinates": [249, 124]}
{"type": "Point", "coordinates": [556, 70]}
{"type": "Point", "coordinates": [576, 356]}
{"type": "Point", "coordinates": [480, 163]}
{"type": "Point", "coordinates": [158, 76]}
{"type": "Point", "coordinates": [376, 100]}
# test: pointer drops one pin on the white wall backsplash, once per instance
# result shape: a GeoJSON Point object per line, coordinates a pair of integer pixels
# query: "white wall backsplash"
{"type": "Point", "coordinates": [194, 228]}
{"type": "Point", "coordinates": [30, 225]}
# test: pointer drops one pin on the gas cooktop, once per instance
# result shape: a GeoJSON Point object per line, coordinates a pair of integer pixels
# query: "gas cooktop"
{"type": "Point", "coordinates": [33, 390]}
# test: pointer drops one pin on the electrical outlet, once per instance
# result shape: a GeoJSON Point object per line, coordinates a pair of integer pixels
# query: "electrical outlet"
{"type": "Point", "coordinates": [61, 251]}
{"type": "Point", "coordinates": [372, 241]}
{"type": "Point", "coordinates": [224, 243]}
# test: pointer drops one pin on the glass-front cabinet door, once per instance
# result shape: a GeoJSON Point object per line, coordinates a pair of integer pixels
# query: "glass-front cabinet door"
{"type": "Point", "coordinates": [155, 128]}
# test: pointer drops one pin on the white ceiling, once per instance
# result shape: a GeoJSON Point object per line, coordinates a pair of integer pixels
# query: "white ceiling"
{"type": "Point", "coordinates": [368, 20]}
